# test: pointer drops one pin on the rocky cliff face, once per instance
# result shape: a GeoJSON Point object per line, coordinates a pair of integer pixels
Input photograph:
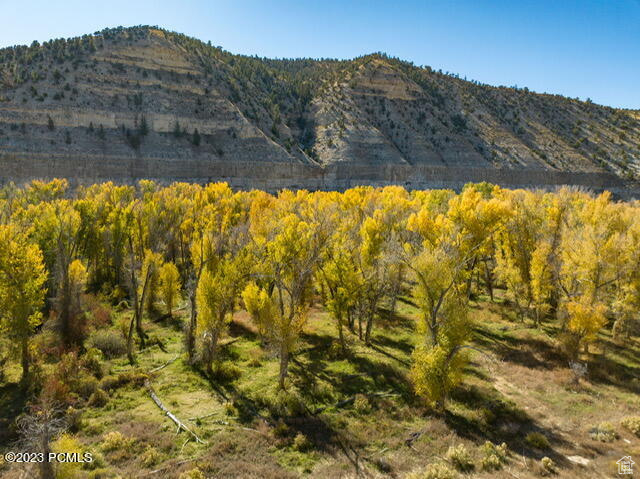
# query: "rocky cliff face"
{"type": "Point", "coordinates": [142, 102]}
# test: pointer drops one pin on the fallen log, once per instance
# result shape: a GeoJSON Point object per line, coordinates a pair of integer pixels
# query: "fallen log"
{"type": "Point", "coordinates": [164, 365]}
{"type": "Point", "coordinates": [169, 414]}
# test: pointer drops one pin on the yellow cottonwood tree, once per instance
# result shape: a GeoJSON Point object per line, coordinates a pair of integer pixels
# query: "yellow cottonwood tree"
{"type": "Point", "coordinates": [169, 283]}
{"type": "Point", "coordinates": [22, 292]}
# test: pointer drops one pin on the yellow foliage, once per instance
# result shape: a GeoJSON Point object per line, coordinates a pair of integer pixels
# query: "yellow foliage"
{"type": "Point", "coordinates": [585, 319]}
{"type": "Point", "coordinates": [169, 279]}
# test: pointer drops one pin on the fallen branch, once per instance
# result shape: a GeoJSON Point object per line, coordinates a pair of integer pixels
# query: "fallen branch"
{"type": "Point", "coordinates": [169, 414]}
{"type": "Point", "coordinates": [197, 418]}
{"type": "Point", "coordinates": [231, 341]}
{"type": "Point", "coordinates": [164, 365]}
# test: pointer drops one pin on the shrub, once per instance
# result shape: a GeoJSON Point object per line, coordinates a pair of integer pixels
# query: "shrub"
{"type": "Point", "coordinates": [226, 371]}
{"type": "Point", "coordinates": [256, 358]}
{"type": "Point", "coordinates": [434, 471]}
{"type": "Point", "coordinates": [85, 386]}
{"type": "Point", "coordinates": [150, 457]}
{"type": "Point", "coordinates": [110, 343]}
{"type": "Point", "coordinates": [55, 390]}
{"type": "Point", "coordinates": [494, 457]}
{"type": "Point", "coordinates": [547, 465]}
{"type": "Point", "coordinates": [73, 418]}
{"type": "Point", "coordinates": [97, 463]}
{"type": "Point", "coordinates": [100, 316]}
{"type": "Point", "coordinates": [301, 442]}
{"type": "Point", "coordinates": [460, 457]}
{"type": "Point", "coordinates": [632, 423]}
{"type": "Point", "coordinates": [192, 474]}
{"type": "Point", "coordinates": [101, 473]}
{"type": "Point", "coordinates": [98, 399]}
{"type": "Point", "coordinates": [281, 429]}
{"type": "Point", "coordinates": [604, 432]}
{"type": "Point", "coordinates": [115, 441]}
{"type": "Point", "coordinates": [230, 409]}
{"type": "Point", "coordinates": [284, 403]}
{"type": "Point", "coordinates": [92, 362]}
{"type": "Point", "coordinates": [537, 440]}
{"type": "Point", "coordinates": [361, 404]}
{"type": "Point", "coordinates": [67, 443]}
{"type": "Point", "coordinates": [136, 378]}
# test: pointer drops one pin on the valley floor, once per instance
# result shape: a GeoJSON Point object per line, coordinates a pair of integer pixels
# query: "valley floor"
{"type": "Point", "coordinates": [353, 416]}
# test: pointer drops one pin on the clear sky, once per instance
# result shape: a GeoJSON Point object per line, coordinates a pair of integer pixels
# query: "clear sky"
{"type": "Point", "coordinates": [578, 48]}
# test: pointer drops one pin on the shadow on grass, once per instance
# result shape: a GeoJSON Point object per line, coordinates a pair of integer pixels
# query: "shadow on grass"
{"type": "Point", "coordinates": [13, 400]}
{"type": "Point", "coordinates": [521, 350]}
{"type": "Point", "coordinates": [500, 420]}
{"type": "Point", "coordinates": [390, 319]}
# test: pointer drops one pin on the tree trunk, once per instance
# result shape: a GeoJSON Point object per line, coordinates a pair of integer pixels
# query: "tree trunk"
{"type": "Point", "coordinates": [191, 330]}
{"type": "Point", "coordinates": [469, 282]}
{"type": "Point", "coordinates": [132, 360]}
{"type": "Point", "coordinates": [284, 365]}
{"type": "Point", "coordinates": [46, 468]}
{"type": "Point", "coordinates": [64, 317]}
{"type": "Point", "coordinates": [139, 330]}
{"type": "Point", "coordinates": [367, 335]}
{"type": "Point", "coordinates": [351, 321]}
{"type": "Point", "coordinates": [343, 346]}
{"type": "Point", "coordinates": [212, 351]}
{"type": "Point", "coordinates": [25, 360]}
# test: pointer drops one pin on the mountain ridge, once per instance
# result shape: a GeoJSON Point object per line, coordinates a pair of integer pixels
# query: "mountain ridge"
{"type": "Point", "coordinates": [142, 93]}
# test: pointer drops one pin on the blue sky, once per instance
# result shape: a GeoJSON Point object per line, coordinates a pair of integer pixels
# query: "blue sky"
{"type": "Point", "coordinates": [578, 48]}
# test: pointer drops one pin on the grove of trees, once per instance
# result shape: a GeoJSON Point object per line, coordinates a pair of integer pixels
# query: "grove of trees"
{"type": "Point", "coordinates": [567, 257]}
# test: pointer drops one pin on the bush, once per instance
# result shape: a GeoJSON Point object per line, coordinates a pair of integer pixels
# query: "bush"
{"type": "Point", "coordinates": [604, 432]}
{"type": "Point", "coordinates": [434, 471]}
{"type": "Point", "coordinates": [256, 357]}
{"type": "Point", "coordinates": [192, 474]}
{"type": "Point", "coordinates": [547, 465]}
{"type": "Point", "coordinates": [109, 383]}
{"type": "Point", "coordinates": [301, 442]}
{"type": "Point", "coordinates": [494, 457]}
{"type": "Point", "coordinates": [361, 404]}
{"type": "Point", "coordinates": [100, 316]}
{"type": "Point", "coordinates": [150, 457]}
{"type": "Point", "coordinates": [68, 444]}
{"type": "Point", "coordinates": [632, 423]}
{"type": "Point", "coordinates": [98, 399]}
{"type": "Point", "coordinates": [226, 372]}
{"type": "Point", "coordinates": [92, 362]}
{"type": "Point", "coordinates": [110, 343]}
{"type": "Point", "coordinates": [284, 403]}
{"type": "Point", "coordinates": [74, 419]}
{"type": "Point", "coordinates": [460, 457]}
{"type": "Point", "coordinates": [537, 440]}
{"type": "Point", "coordinates": [115, 441]}
{"type": "Point", "coordinates": [85, 386]}
{"type": "Point", "coordinates": [281, 429]}
{"type": "Point", "coordinates": [230, 409]}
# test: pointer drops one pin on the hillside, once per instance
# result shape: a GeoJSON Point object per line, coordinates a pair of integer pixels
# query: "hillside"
{"type": "Point", "coordinates": [137, 102]}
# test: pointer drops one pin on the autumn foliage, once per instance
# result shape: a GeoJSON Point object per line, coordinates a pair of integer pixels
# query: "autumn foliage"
{"type": "Point", "coordinates": [566, 256]}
